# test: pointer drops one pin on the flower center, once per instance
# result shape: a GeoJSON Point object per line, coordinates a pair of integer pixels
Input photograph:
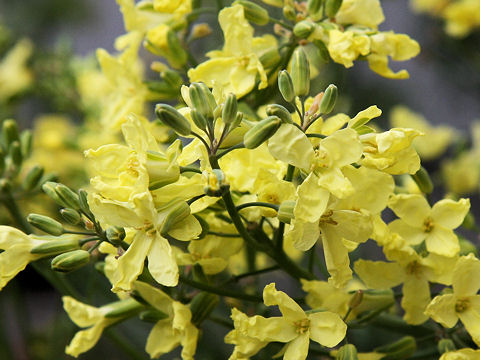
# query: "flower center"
{"type": "Point", "coordinates": [461, 305]}
{"type": "Point", "coordinates": [302, 326]}
{"type": "Point", "coordinates": [414, 268]}
{"type": "Point", "coordinates": [428, 225]}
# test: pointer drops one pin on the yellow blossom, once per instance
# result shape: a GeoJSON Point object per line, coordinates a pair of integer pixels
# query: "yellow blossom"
{"type": "Point", "coordinates": [14, 74]}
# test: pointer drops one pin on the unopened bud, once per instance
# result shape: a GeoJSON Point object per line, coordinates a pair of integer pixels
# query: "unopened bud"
{"type": "Point", "coordinates": [270, 58]}
{"type": "Point", "coordinates": [332, 7]}
{"type": "Point", "coordinates": [179, 55]}
{"type": "Point", "coordinates": [202, 305]}
{"type": "Point", "coordinates": [49, 189]}
{"type": "Point", "coordinates": [253, 12]}
{"type": "Point", "coordinates": [347, 352]}
{"type": "Point", "coordinates": [199, 95]}
{"type": "Point", "coordinates": [10, 132]}
{"type": "Point", "coordinates": [171, 117]}
{"type": "Point", "coordinates": [446, 345]}
{"type": "Point", "coordinates": [304, 28]}
{"type": "Point", "coordinates": [216, 182]}
{"type": "Point", "coordinates": [122, 309]}
{"type": "Point", "coordinates": [285, 85]}
{"type": "Point", "coordinates": [229, 112]}
{"type": "Point", "coordinates": [176, 211]}
{"type": "Point", "coordinates": [356, 299]}
{"type": "Point", "coordinates": [15, 154]}
{"type": "Point", "coordinates": [71, 216]}
{"type": "Point", "coordinates": [329, 99]}
{"type": "Point", "coordinates": [285, 211]}
{"type": "Point", "coordinates": [172, 78]}
{"type": "Point", "coordinates": [280, 111]}
{"type": "Point", "coordinates": [26, 140]}
{"type": "Point", "coordinates": [45, 224]}
{"type": "Point", "coordinates": [54, 247]}
{"type": "Point", "coordinates": [300, 72]}
{"type": "Point", "coordinates": [289, 13]}
{"type": "Point", "coordinates": [401, 349]}
{"type": "Point", "coordinates": [423, 181]}
{"type": "Point", "coordinates": [161, 170]}
{"type": "Point", "coordinates": [198, 119]}
{"type": "Point", "coordinates": [70, 261]}
{"type": "Point", "coordinates": [238, 120]}
{"type": "Point", "coordinates": [83, 202]}
{"type": "Point", "coordinates": [68, 196]}
{"type": "Point", "coordinates": [322, 50]}
{"type": "Point", "coordinates": [261, 132]}
{"type": "Point", "coordinates": [32, 179]}
{"type": "Point", "coordinates": [201, 30]}
{"type": "Point", "coordinates": [115, 234]}
{"type": "Point", "coordinates": [152, 316]}
{"type": "Point", "coordinates": [313, 6]}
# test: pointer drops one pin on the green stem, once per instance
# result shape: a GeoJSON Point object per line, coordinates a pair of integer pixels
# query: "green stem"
{"type": "Point", "coordinates": [221, 321]}
{"type": "Point", "coordinates": [225, 152]}
{"type": "Point", "coordinates": [252, 273]}
{"type": "Point", "coordinates": [257, 203]}
{"type": "Point", "coordinates": [317, 136]}
{"type": "Point", "coordinates": [184, 169]}
{"type": "Point", "coordinates": [280, 22]}
{"type": "Point", "coordinates": [214, 233]}
{"type": "Point", "coordinates": [12, 207]}
{"type": "Point", "coordinates": [221, 291]}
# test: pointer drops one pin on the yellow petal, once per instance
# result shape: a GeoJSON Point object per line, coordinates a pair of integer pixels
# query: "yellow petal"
{"type": "Point", "coordinates": [449, 213]}
{"type": "Point", "coordinates": [155, 297]}
{"type": "Point", "coordinates": [297, 349]}
{"type": "Point", "coordinates": [161, 262]}
{"type": "Point", "coordinates": [336, 258]}
{"type": "Point", "coordinates": [442, 310]}
{"type": "Point", "coordinates": [465, 281]}
{"type": "Point", "coordinates": [312, 200]}
{"type": "Point", "coordinates": [412, 235]}
{"type": "Point", "coordinates": [327, 328]}
{"type": "Point", "coordinates": [288, 307]}
{"type": "Point", "coordinates": [271, 329]}
{"type": "Point", "coordinates": [303, 235]}
{"type": "Point", "coordinates": [162, 339]}
{"type": "Point", "coordinates": [413, 209]}
{"type": "Point", "coordinates": [416, 297]}
{"type": "Point", "coordinates": [379, 274]}
{"type": "Point", "coordinates": [84, 340]}
{"type": "Point", "coordinates": [471, 318]}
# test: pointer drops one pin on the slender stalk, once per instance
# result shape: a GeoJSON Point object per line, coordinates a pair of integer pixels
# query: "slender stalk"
{"type": "Point", "coordinates": [221, 321]}
{"type": "Point", "coordinates": [280, 22]}
{"type": "Point", "coordinates": [225, 152]}
{"type": "Point", "coordinates": [223, 234]}
{"type": "Point", "coordinates": [184, 169]}
{"type": "Point", "coordinates": [257, 203]}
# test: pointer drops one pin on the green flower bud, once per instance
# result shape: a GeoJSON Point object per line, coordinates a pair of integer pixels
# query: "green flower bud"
{"type": "Point", "coordinates": [179, 55]}
{"type": "Point", "coordinates": [176, 211]}
{"type": "Point", "coordinates": [172, 78]}
{"type": "Point", "coordinates": [217, 113]}
{"type": "Point", "coordinates": [70, 261]}
{"type": "Point", "coordinates": [10, 132]}
{"type": "Point", "coordinates": [328, 100]}
{"type": "Point", "coordinates": [347, 352]}
{"type": "Point", "coordinates": [32, 179]}
{"type": "Point", "coordinates": [45, 224]}
{"type": "Point", "coordinates": [281, 112]}
{"type": "Point", "coordinates": [285, 211]}
{"type": "Point", "coordinates": [83, 202]}
{"type": "Point", "coordinates": [216, 182]}
{"type": "Point", "coordinates": [202, 305]}
{"type": "Point", "coordinates": [356, 299]}
{"type": "Point", "coordinates": [401, 349]}
{"type": "Point", "coordinates": [100, 267]}
{"type": "Point", "coordinates": [115, 234]}
{"type": "Point", "coordinates": [261, 132]}
{"type": "Point", "coordinates": [285, 85]}
{"type": "Point", "coordinates": [446, 345]}
{"type": "Point", "coordinates": [71, 216]}
{"type": "Point", "coordinates": [210, 98]}
{"type": "Point", "coordinates": [229, 112]}
{"type": "Point", "coordinates": [68, 196]}
{"type": "Point", "coordinates": [253, 12]}
{"type": "Point", "coordinates": [304, 28]}
{"type": "Point", "coordinates": [152, 316]}
{"type": "Point", "coordinates": [332, 7]}
{"type": "Point", "coordinates": [161, 170]}
{"type": "Point", "coordinates": [313, 6]}
{"type": "Point", "coordinates": [199, 98]}
{"type": "Point", "coordinates": [15, 154]}
{"type": "Point", "coordinates": [123, 309]}
{"type": "Point", "coordinates": [54, 247]}
{"type": "Point", "coordinates": [423, 181]}
{"type": "Point", "coordinates": [300, 72]}
{"type": "Point", "coordinates": [238, 120]}
{"type": "Point", "coordinates": [199, 119]}
{"type": "Point", "coordinates": [270, 58]}
{"type": "Point", "coordinates": [322, 50]}
{"type": "Point", "coordinates": [171, 117]}
{"type": "Point", "coordinates": [289, 12]}
{"type": "Point", "coordinates": [26, 140]}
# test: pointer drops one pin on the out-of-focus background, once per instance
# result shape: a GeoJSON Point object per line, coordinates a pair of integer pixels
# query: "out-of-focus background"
{"type": "Point", "coordinates": [444, 86]}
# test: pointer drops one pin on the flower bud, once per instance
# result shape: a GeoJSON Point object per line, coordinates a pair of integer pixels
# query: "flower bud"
{"type": "Point", "coordinates": [300, 72]}
{"type": "Point", "coordinates": [161, 170]}
{"type": "Point", "coordinates": [176, 211]}
{"type": "Point", "coordinates": [347, 352]}
{"type": "Point", "coordinates": [71, 216]}
{"type": "Point", "coordinates": [45, 224]}
{"type": "Point", "coordinates": [356, 299]}
{"type": "Point", "coordinates": [285, 85]}
{"type": "Point", "coordinates": [26, 140]}
{"type": "Point", "coordinates": [83, 202]}
{"type": "Point", "coordinates": [202, 305]}
{"type": "Point", "coordinates": [15, 154]}
{"type": "Point", "coordinates": [10, 132]}
{"type": "Point", "coordinates": [270, 58]}
{"type": "Point", "coordinates": [152, 316]}
{"type": "Point", "coordinates": [329, 99]}
{"type": "Point", "coordinates": [172, 78]}
{"type": "Point", "coordinates": [285, 211]}
{"type": "Point", "coordinates": [253, 12]}
{"type": "Point", "coordinates": [280, 111]}
{"type": "Point", "coordinates": [304, 28]}
{"type": "Point", "coordinates": [322, 50]}
{"type": "Point", "coordinates": [171, 117]}
{"type": "Point", "coordinates": [332, 7]}
{"type": "Point", "coordinates": [198, 119]}
{"type": "Point", "coordinates": [238, 120]}
{"type": "Point", "coordinates": [70, 261]}
{"type": "Point", "coordinates": [199, 98]}
{"type": "Point", "coordinates": [49, 189]}
{"type": "Point", "coordinates": [216, 182]}
{"type": "Point", "coordinates": [261, 132]}
{"type": "Point", "coordinates": [122, 309]}
{"type": "Point", "coordinates": [229, 112]}
{"type": "Point", "coordinates": [423, 181]}
{"type": "Point", "coordinates": [446, 345]}
{"type": "Point", "coordinates": [68, 196]}
{"type": "Point", "coordinates": [179, 55]}
{"type": "Point", "coordinates": [401, 349]}
{"type": "Point", "coordinates": [313, 6]}
{"type": "Point", "coordinates": [32, 179]}
{"type": "Point", "coordinates": [54, 247]}
{"type": "Point", "coordinates": [115, 234]}
{"type": "Point", "coordinates": [289, 12]}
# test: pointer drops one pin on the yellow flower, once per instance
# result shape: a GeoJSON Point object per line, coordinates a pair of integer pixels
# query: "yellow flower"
{"type": "Point", "coordinates": [360, 12]}
{"type": "Point", "coordinates": [418, 222]}
{"type": "Point", "coordinates": [345, 47]}
{"type": "Point", "coordinates": [236, 66]}
{"type": "Point", "coordinates": [462, 174]}
{"type": "Point", "coordinates": [436, 139]}
{"type": "Point", "coordinates": [463, 303]}
{"type": "Point", "coordinates": [14, 74]}
{"type": "Point", "coordinates": [295, 327]}
{"type": "Point", "coordinates": [462, 354]}
{"type": "Point", "coordinates": [173, 330]}
{"type": "Point", "coordinates": [177, 8]}
{"type": "Point", "coordinates": [462, 17]}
